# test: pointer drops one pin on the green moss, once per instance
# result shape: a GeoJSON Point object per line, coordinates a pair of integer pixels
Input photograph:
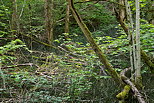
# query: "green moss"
{"type": "Point", "coordinates": [138, 82]}
{"type": "Point", "coordinates": [147, 60]}
{"type": "Point", "coordinates": [123, 95]}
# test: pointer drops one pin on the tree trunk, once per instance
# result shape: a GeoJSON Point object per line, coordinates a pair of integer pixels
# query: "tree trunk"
{"type": "Point", "coordinates": [150, 11]}
{"type": "Point", "coordinates": [122, 10]}
{"type": "Point", "coordinates": [131, 39]}
{"type": "Point", "coordinates": [15, 20]}
{"type": "Point", "coordinates": [49, 20]}
{"type": "Point", "coordinates": [67, 19]}
{"type": "Point", "coordinates": [144, 56]}
{"type": "Point", "coordinates": [138, 77]}
{"type": "Point", "coordinates": [93, 44]}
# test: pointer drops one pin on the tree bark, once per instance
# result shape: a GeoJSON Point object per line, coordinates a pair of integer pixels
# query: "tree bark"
{"type": "Point", "coordinates": [49, 20]}
{"type": "Point", "coordinates": [67, 18]}
{"type": "Point", "coordinates": [144, 56]}
{"type": "Point", "coordinates": [135, 91]}
{"type": "Point", "coordinates": [131, 39]}
{"type": "Point", "coordinates": [138, 77]}
{"type": "Point", "coordinates": [15, 20]}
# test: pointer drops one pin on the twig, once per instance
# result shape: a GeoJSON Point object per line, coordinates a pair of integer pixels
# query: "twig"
{"type": "Point", "coordinates": [17, 65]}
{"type": "Point", "coordinates": [42, 74]}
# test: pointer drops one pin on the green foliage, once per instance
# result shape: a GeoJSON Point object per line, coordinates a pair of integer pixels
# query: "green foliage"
{"type": "Point", "coordinates": [32, 17]}
{"type": "Point", "coordinates": [76, 77]}
{"type": "Point", "coordinates": [98, 19]}
{"type": "Point", "coordinates": [147, 33]}
{"type": "Point", "coordinates": [13, 45]}
{"type": "Point", "coordinates": [146, 9]}
{"type": "Point", "coordinates": [4, 21]}
{"type": "Point", "coordinates": [39, 89]}
{"type": "Point", "coordinates": [8, 48]}
{"type": "Point", "coordinates": [71, 73]}
{"type": "Point", "coordinates": [7, 45]}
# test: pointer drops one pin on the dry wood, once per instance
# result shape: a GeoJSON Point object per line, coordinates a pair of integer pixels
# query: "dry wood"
{"type": "Point", "coordinates": [18, 65]}
{"type": "Point", "coordinates": [136, 92]}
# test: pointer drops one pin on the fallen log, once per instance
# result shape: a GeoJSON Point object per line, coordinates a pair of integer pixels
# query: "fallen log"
{"type": "Point", "coordinates": [135, 91]}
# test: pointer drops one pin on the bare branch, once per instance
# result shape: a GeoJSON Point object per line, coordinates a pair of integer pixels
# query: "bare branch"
{"type": "Point", "coordinates": [136, 92]}
{"type": "Point", "coordinates": [18, 65]}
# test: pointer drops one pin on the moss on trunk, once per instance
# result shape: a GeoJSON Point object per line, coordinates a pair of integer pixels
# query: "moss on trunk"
{"type": "Point", "coordinates": [93, 44]}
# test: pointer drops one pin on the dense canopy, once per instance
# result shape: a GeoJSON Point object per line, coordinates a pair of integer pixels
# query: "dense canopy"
{"type": "Point", "coordinates": [76, 51]}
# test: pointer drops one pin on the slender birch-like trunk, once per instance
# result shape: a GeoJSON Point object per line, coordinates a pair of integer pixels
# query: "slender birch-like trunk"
{"type": "Point", "coordinates": [138, 54]}
{"type": "Point", "coordinates": [22, 10]}
{"type": "Point", "coordinates": [131, 39]}
{"type": "Point", "coordinates": [143, 54]}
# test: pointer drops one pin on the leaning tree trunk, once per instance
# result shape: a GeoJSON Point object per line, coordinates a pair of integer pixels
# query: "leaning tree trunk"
{"type": "Point", "coordinates": [93, 44]}
{"type": "Point", "coordinates": [49, 20]}
{"type": "Point", "coordinates": [101, 56]}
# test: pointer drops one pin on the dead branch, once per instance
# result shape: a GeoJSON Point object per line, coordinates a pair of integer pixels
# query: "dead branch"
{"type": "Point", "coordinates": [136, 92]}
{"type": "Point", "coordinates": [59, 48]}
{"type": "Point", "coordinates": [18, 65]}
{"type": "Point", "coordinates": [43, 74]}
